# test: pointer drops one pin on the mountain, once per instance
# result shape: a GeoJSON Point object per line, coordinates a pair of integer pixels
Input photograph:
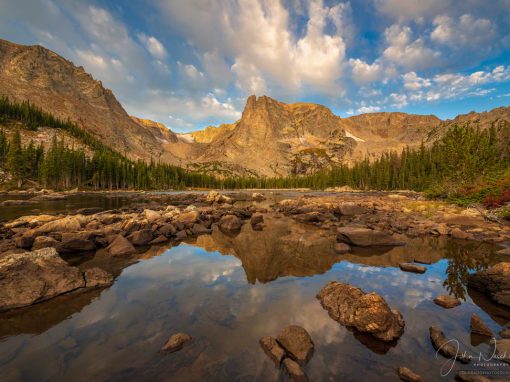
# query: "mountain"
{"type": "Point", "coordinates": [272, 138]}
{"type": "Point", "coordinates": [57, 86]}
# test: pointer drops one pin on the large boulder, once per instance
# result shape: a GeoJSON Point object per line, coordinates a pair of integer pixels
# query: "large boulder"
{"type": "Point", "coordinates": [365, 237]}
{"type": "Point", "coordinates": [76, 242]}
{"type": "Point", "coordinates": [367, 312]}
{"type": "Point", "coordinates": [188, 218]}
{"type": "Point", "coordinates": [230, 224]}
{"type": "Point", "coordinates": [67, 224]}
{"type": "Point", "coordinates": [293, 371]}
{"type": "Point", "coordinates": [494, 281]}
{"type": "Point", "coordinates": [120, 246]}
{"type": "Point", "coordinates": [446, 347]}
{"type": "Point", "coordinates": [31, 277]}
{"type": "Point", "coordinates": [272, 349]}
{"type": "Point", "coordinates": [44, 242]}
{"type": "Point", "coordinates": [297, 343]}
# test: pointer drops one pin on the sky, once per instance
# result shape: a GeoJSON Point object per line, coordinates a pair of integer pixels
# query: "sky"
{"type": "Point", "coordinates": [193, 63]}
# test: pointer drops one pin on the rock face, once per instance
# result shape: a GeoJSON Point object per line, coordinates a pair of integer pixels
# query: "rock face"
{"type": "Point", "coordinates": [57, 86]}
{"type": "Point", "coordinates": [495, 281]}
{"type": "Point", "coordinates": [367, 312]}
{"type": "Point", "coordinates": [297, 343]}
{"type": "Point", "coordinates": [444, 347]}
{"type": "Point", "coordinates": [31, 277]}
{"type": "Point", "coordinates": [365, 237]}
{"type": "Point", "coordinates": [447, 301]}
{"type": "Point", "coordinates": [176, 342]}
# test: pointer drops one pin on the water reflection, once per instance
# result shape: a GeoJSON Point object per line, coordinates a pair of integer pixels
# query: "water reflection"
{"type": "Point", "coordinates": [201, 288]}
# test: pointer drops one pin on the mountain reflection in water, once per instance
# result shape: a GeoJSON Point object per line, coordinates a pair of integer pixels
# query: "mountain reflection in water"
{"type": "Point", "coordinates": [227, 292]}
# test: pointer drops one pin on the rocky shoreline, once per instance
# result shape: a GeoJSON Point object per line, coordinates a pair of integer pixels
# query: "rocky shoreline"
{"type": "Point", "coordinates": [357, 220]}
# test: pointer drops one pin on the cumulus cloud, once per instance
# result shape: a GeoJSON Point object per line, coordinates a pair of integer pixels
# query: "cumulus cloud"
{"type": "Point", "coordinates": [406, 52]}
{"type": "Point", "coordinates": [363, 72]}
{"type": "Point", "coordinates": [404, 10]}
{"type": "Point", "coordinates": [413, 82]}
{"type": "Point", "coordinates": [153, 45]}
{"type": "Point", "coordinates": [466, 31]}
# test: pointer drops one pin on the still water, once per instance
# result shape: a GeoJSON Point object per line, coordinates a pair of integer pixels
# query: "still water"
{"type": "Point", "coordinates": [227, 292]}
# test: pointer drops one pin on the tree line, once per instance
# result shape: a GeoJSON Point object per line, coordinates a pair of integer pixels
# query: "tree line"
{"type": "Point", "coordinates": [464, 158]}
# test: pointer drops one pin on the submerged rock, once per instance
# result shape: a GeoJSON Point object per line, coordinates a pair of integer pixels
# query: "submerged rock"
{"type": "Point", "coordinates": [367, 312]}
{"type": "Point", "coordinates": [494, 281]}
{"type": "Point", "coordinates": [97, 277]}
{"type": "Point", "coordinates": [365, 237]}
{"type": "Point", "coordinates": [409, 267]}
{"type": "Point", "coordinates": [479, 327]}
{"type": "Point", "coordinates": [293, 371]}
{"type": "Point", "coordinates": [444, 347]}
{"type": "Point", "coordinates": [176, 342]}
{"type": "Point", "coordinates": [447, 301]}
{"type": "Point", "coordinates": [407, 375]}
{"type": "Point", "coordinates": [297, 343]}
{"type": "Point", "coordinates": [272, 349]}
{"type": "Point", "coordinates": [31, 277]}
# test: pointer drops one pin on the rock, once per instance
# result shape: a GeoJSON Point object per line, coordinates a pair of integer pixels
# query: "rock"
{"type": "Point", "coordinates": [297, 343]}
{"type": "Point", "coordinates": [406, 374]}
{"type": "Point", "coordinates": [181, 235]}
{"type": "Point", "coordinates": [120, 246]}
{"type": "Point", "coordinates": [72, 243]}
{"type": "Point", "coordinates": [24, 242]}
{"type": "Point", "coordinates": [230, 224]}
{"type": "Point", "coordinates": [444, 347]}
{"type": "Point", "coordinates": [89, 211]}
{"type": "Point", "coordinates": [257, 196]}
{"type": "Point", "coordinates": [151, 215]}
{"type": "Point", "coordinates": [176, 342]}
{"type": "Point", "coordinates": [44, 242]}
{"type": "Point", "coordinates": [167, 230]}
{"type": "Point", "coordinates": [342, 248]}
{"type": "Point", "coordinates": [367, 312]}
{"type": "Point", "coordinates": [479, 327]}
{"type": "Point", "coordinates": [216, 197]}
{"type": "Point", "coordinates": [49, 197]}
{"type": "Point", "coordinates": [17, 202]}
{"type": "Point", "coordinates": [442, 229]}
{"type": "Point", "coordinates": [495, 281]}
{"type": "Point", "coordinates": [364, 237]}
{"type": "Point", "coordinates": [293, 371]}
{"type": "Point", "coordinates": [31, 277]}
{"type": "Point", "coordinates": [160, 239]}
{"type": "Point", "coordinates": [503, 349]}
{"type": "Point", "coordinates": [351, 209]}
{"type": "Point", "coordinates": [447, 301]}
{"type": "Point", "coordinates": [67, 224]}
{"type": "Point", "coordinates": [273, 350]}
{"type": "Point", "coordinates": [256, 219]}
{"type": "Point", "coordinates": [505, 333]}
{"type": "Point", "coordinates": [199, 229]}
{"type": "Point", "coordinates": [97, 277]}
{"type": "Point", "coordinates": [457, 233]}
{"type": "Point", "coordinates": [142, 237]}
{"type": "Point", "coordinates": [188, 218]}
{"type": "Point", "coordinates": [409, 267]}
{"type": "Point", "coordinates": [505, 251]}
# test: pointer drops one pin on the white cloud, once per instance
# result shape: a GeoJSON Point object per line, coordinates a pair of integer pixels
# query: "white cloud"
{"type": "Point", "coordinates": [153, 45]}
{"type": "Point", "coordinates": [464, 32]}
{"type": "Point", "coordinates": [249, 78]}
{"type": "Point", "coordinates": [363, 72]}
{"type": "Point", "coordinates": [405, 52]}
{"type": "Point", "coordinates": [413, 82]}
{"type": "Point", "coordinates": [404, 10]}
{"type": "Point", "coordinates": [369, 109]}
{"type": "Point", "coordinates": [398, 100]}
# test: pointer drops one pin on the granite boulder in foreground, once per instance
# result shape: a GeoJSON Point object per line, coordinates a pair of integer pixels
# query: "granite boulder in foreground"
{"type": "Point", "coordinates": [366, 312]}
{"type": "Point", "coordinates": [31, 277]}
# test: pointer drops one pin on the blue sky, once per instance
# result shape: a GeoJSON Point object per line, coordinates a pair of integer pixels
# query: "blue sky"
{"type": "Point", "coordinates": [192, 63]}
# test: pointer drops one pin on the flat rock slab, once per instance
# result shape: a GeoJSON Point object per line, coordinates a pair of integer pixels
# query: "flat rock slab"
{"type": "Point", "coordinates": [407, 375]}
{"type": "Point", "coordinates": [31, 277]}
{"type": "Point", "coordinates": [444, 347]}
{"type": "Point", "coordinates": [494, 281]}
{"type": "Point", "coordinates": [410, 267]}
{"type": "Point", "coordinates": [447, 301]}
{"type": "Point", "coordinates": [297, 343]}
{"type": "Point", "coordinates": [176, 342]}
{"type": "Point", "coordinates": [367, 312]}
{"type": "Point", "coordinates": [293, 371]}
{"type": "Point", "coordinates": [273, 350]}
{"type": "Point", "coordinates": [479, 327]}
{"type": "Point", "coordinates": [365, 237]}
